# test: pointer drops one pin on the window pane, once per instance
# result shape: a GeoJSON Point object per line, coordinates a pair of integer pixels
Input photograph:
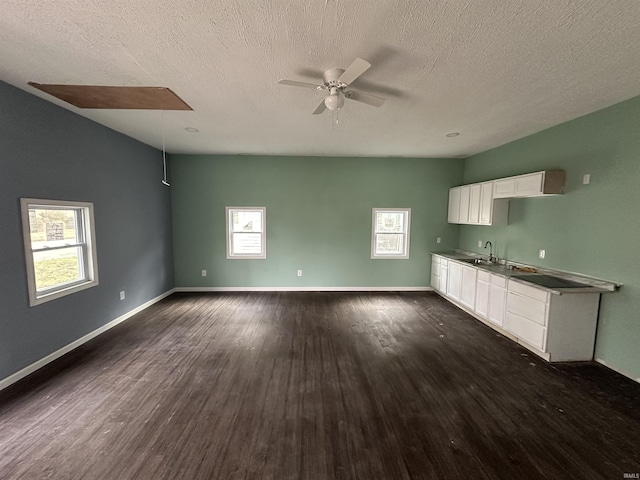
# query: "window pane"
{"type": "Point", "coordinates": [390, 221]}
{"type": "Point", "coordinates": [389, 244]}
{"type": "Point", "coordinates": [57, 267]}
{"type": "Point", "coordinates": [247, 244]}
{"type": "Point", "coordinates": [53, 227]}
{"type": "Point", "coordinates": [247, 221]}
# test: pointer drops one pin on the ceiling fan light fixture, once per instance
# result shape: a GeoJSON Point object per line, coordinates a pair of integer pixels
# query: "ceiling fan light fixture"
{"type": "Point", "coordinates": [335, 101]}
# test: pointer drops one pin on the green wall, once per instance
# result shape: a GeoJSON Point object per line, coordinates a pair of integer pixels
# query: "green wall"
{"type": "Point", "coordinates": [318, 218]}
{"type": "Point", "coordinates": [593, 229]}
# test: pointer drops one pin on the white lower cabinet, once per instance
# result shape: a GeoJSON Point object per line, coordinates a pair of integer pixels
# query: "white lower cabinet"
{"type": "Point", "coordinates": [454, 283]}
{"type": "Point", "coordinates": [444, 275]}
{"type": "Point", "coordinates": [468, 287]}
{"type": "Point", "coordinates": [439, 273]}
{"type": "Point", "coordinates": [559, 328]}
{"type": "Point", "coordinates": [435, 272]}
{"type": "Point", "coordinates": [462, 284]}
{"type": "Point", "coordinates": [527, 309]}
{"type": "Point", "coordinates": [497, 299]}
{"type": "Point", "coordinates": [482, 294]}
{"type": "Point", "coordinates": [528, 331]}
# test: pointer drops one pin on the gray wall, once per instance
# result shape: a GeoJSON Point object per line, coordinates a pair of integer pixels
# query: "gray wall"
{"type": "Point", "coordinates": [49, 152]}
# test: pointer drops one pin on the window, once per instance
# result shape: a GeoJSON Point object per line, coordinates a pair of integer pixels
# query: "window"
{"type": "Point", "coordinates": [59, 245]}
{"type": "Point", "coordinates": [390, 233]}
{"type": "Point", "coordinates": [246, 232]}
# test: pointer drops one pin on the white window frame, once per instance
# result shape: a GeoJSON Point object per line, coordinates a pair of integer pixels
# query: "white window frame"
{"type": "Point", "coordinates": [89, 267]}
{"type": "Point", "coordinates": [263, 240]}
{"type": "Point", "coordinates": [406, 233]}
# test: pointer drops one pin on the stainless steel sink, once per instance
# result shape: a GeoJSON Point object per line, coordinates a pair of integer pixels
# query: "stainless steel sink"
{"type": "Point", "coordinates": [478, 261]}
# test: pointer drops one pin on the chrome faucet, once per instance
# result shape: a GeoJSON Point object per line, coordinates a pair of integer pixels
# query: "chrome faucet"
{"type": "Point", "coordinates": [491, 257]}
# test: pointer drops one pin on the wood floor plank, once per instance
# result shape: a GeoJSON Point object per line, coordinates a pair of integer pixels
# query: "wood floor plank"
{"type": "Point", "coordinates": [315, 386]}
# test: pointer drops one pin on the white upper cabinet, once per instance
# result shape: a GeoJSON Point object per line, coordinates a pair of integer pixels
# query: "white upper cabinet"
{"type": "Point", "coordinates": [475, 192]}
{"type": "Point", "coordinates": [504, 188]}
{"type": "Point", "coordinates": [487, 203]}
{"type": "Point", "coordinates": [474, 205]}
{"type": "Point", "coordinates": [454, 205]}
{"type": "Point", "coordinates": [465, 192]}
{"type": "Point", "coordinates": [537, 184]}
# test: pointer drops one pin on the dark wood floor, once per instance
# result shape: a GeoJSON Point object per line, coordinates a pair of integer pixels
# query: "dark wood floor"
{"type": "Point", "coordinates": [317, 386]}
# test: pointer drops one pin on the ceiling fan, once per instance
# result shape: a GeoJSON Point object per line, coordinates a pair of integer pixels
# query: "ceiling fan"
{"type": "Point", "coordinates": [336, 83]}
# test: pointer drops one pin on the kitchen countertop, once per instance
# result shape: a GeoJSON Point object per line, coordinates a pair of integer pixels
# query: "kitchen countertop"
{"type": "Point", "coordinates": [514, 271]}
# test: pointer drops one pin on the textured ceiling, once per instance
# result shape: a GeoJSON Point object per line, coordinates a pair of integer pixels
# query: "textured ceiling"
{"type": "Point", "coordinates": [492, 70]}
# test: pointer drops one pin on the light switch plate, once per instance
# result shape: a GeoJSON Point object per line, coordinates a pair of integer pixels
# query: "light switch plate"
{"type": "Point", "coordinates": [542, 253]}
{"type": "Point", "coordinates": [586, 178]}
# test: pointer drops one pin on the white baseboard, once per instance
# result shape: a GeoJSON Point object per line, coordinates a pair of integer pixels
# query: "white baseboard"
{"type": "Point", "coordinates": [11, 379]}
{"type": "Point", "coordinates": [303, 289]}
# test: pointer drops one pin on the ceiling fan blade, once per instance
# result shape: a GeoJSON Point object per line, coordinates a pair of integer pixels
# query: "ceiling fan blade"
{"type": "Point", "coordinates": [321, 108]}
{"type": "Point", "coordinates": [357, 68]}
{"type": "Point", "coordinates": [367, 98]}
{"type": "Point", "coordinates": [298, 84]}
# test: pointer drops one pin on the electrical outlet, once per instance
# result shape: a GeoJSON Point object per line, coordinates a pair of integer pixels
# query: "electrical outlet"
{"type": "Point", "coordinates": [479, 243]}
{"type": "Point", "coordinates": [438, 240]}
{"type": "Point", "coordinates": [542, 253]}
{"type": "Point", "coordinates": [122, 295]}
{"type": "Point", "coordinates": [204, 273]}
{"type": "Point", "coordinates": [299, 273]}
{"type": "Point", "coordinates": [586, 178]}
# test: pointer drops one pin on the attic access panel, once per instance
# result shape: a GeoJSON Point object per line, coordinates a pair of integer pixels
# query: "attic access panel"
{"type": "Point", "coordinates": [117, 98]}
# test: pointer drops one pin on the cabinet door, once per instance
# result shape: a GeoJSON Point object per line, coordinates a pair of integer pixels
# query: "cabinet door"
{"type": "Point", "coordinates": [497, 303]}
{"type": "Point", "coordinates": [465, 194]}
{"type": "Point", "coordinates": [435, 273]}
{"type": "Point", "coordinates": [468, 287]}
{"type": "Point", "coordinates": [486, 203]}
{"type": "Point", "coordinates": [529, 184]}
{"type": "Point", "coordinates": [444, 276]}
{"type": "Point", "coordinates": [454, 205]}
{"type": "Point", "coordinates": [474, 203]}
{"type": "Point", "coordinates": [504, 188]}
{"type": "Point", "coordinates": [482, 299]}
{"type": "Point", "coordinates": [454, 284]}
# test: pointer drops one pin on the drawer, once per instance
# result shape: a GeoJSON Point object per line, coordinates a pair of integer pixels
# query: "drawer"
{"type": "Point", "coordinates": [528, 308]}
{"type": "Point", "coordinates": [530, 332]}
{"type": "Point", "coordinates": [498, 281]}
{"type": "Point", "coordinates": [435, 259]}
{"type": "Point", "coordinates": [526, 290]}
{"type": "Point", "coordinates": [483, 276]}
